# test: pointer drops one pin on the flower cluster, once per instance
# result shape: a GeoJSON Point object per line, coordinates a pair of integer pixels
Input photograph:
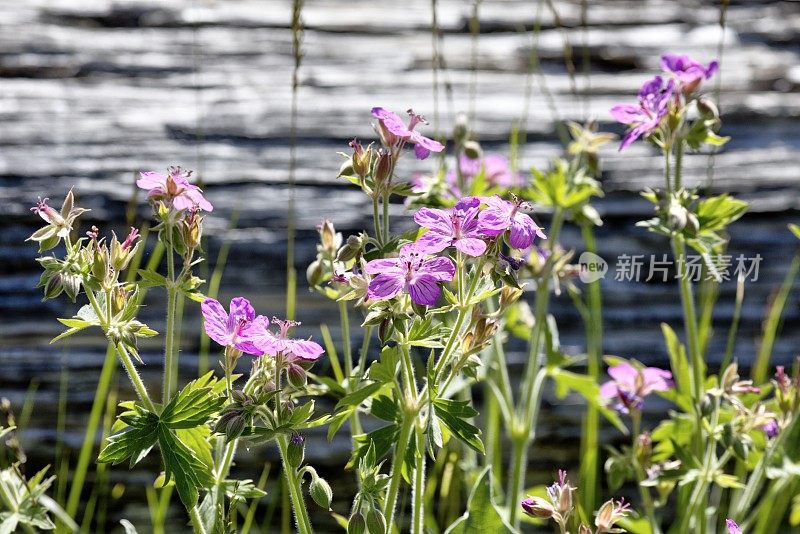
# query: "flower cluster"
{"type": "Point", "coordinates": [173, 190]}
{"type": "Point", "coordinates": [655, 95]}
{"type": "Point", "coordinates": [464, 227]}
{"type": "Point", "coordinates": [243, 330]}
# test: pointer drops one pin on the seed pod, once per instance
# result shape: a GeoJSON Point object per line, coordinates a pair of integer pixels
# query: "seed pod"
{"type": "Point", "coordinates": [322, 494]}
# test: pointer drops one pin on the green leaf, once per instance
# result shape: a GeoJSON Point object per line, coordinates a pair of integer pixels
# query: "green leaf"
{"type": "Point", "coordinates": [678, 361]}
{"type": "Point", "coordinates": [453, 414]}
{"type": "Point", "coordinates": [133, 443]}
{"type": "Point", "coordinates": [482, 513]}
{"type": "Point", "coordinates": [194, 404]}
{"type": "Point", "coordinates": [379, 441]}
{"type": "Point", "coordinates": [358, 396]}
{"type": "Point", "coordinates": [795, 230]}
{"type": "Point", "coordinates": [383, 407]}
{"type": "Point", "coordinates": [182, 465]}
{"type": "Point", "coordinates": [385, 369]}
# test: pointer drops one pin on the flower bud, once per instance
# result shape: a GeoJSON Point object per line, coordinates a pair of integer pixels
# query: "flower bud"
{"type": "Point", "coordinates": [538, 507]}
{"type": "Point", "coordinates": [707, 109]}
{"type": "Point", "coordinates": [677, 216]}
{"type": "Point", "coordinates": [118, 299]}
{"type": "Point", "coordinates": [295, 452]}
{"type": "Point", "coordinates": [351, 249]}
{"type": "Point", "coordinates": [583, 529]}
{"type": "Point", "coordinates": [707, 405]}
{"type": "Point", "coordinates": [296, 376]}
{"type": "Point", "coordinates": [192, 230]}
{"type": "Point", "coordinates": [472, 150]}
{"type": "Point", "coordinates": [383, 169]}
{"type": "Point", "coordinates": [508, 296]}
{"type": "Point", "coordinates": [385, 330]}
{"type": "Point", "coordinates": [53, 287]}
{"type": "Point", "coordinates": [356, 524]}
{"type": "Point", "coordinates": [72, 285]}
{"type": "Point", "coordinates": [231, 423]}
{"type": "Point", "coordinates": [327, 236]}
{"type": "Point", "coordinates": [361, 158]}
{"type": "Point", "coordinates": [315, 273]}
{"type": "Point", "coordinates": [461, 129]}
{"type": "Point", "coordinates": [322, 494]}
{"type": "Point", "coordinates": [376, 522]}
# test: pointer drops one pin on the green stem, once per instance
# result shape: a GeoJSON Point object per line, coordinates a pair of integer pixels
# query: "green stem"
{"type": "Point", "coordinates": [678, 163]}
{"type": "Point", "coordinates": [376, 221]}
{"type": "Point", "coordinates": [295, 491]}
{"type": "Point", "coordinates": [85, 455]}
{"type": "Point", "coordinates": [644, 492]}
{"type": "Point", "coordinates": [355, 421]}
{"type": "Point", "coordinates": [386, 216]}
{"type": "Point", "coordinates": [172, 301]}
{"type": "Point", "coordinates": [396, 475]}
{"type": "Point", "coordinates": [197, 521]}
{"type": "Point", "coordinates": [590, 437]}
{"type": "Point", "coordinates": [689, 319]}
{"type": "Point", "coordinates": [418, 489]}
{"type": "Point", "coordinates": [136, 380]}
{"type": "Point", "coordinates": [667, 150]}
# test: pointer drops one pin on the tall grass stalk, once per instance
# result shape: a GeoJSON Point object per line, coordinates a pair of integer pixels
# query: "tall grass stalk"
{"type": "Point", "coordinates": [773, 321]}
{"type": "Point", "coordinates": [291, 271]}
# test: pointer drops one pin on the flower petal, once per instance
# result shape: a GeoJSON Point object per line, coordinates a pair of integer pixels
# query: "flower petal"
{"type": "Point", "coordinates": [424, 290]}
{"type": "Point", "coordinates": [216, 321]}
{"type": "Point", "coordinates": [471, 246]}
{"type": "Point", "coordinates": [385, 286]}
{"type": "Point", "coordinates": [440, 268]}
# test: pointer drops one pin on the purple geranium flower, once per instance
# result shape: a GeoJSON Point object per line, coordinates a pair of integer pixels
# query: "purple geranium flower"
{"type": "Point", "coordinates": [502, 215]}
{"type": "Point", "coordinates": [411, 272]}
{"type": "Point", "coordinates": [688, 71]}
{"type": "Point", "coordinates": [645, 117]}
{"type": "Point", "coordinates": [391, 123]}
{"type": "Point", "coordinates": [238, 329]}
{"type": "Point", "coordinates": [732, 527]}
{"type": "Point", "coordinates": [174, 189]}
{"type": "Point", "coordinates": [630, 385]}
{"type": "Point", "coordinates": [293, 349]}
{"type": "Point", "coordinates": [456, 227]}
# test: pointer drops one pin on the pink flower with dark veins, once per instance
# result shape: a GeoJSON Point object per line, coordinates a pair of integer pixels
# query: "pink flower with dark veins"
{"type": "Point", "coordinates": [391, 123]}
{"type": "Point", "coordinates": [412, 272]}
{"type": "Point", "coordinates": [173, 189]}
{"type": "Point", "coordinates": [501, 216]}
{"type": "Point", "coordinates": [238, 329]}
{"type": "Point", "coordinates": [293, 349]}
{"type": "Point", "coordinates": [456, 227]}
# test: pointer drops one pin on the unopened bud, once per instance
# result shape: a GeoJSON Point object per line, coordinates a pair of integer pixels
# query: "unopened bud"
{"type": "Point", "coordinates": [383, 169]}
{"type": "Point", "coordinates": [314, 273]}
{"type": "Point", "coordinates": [537, 507]}
{"type": "Point", "coordinates": [472, 150]}
{"type": "Point", "coordinates": [376, 522]}
{"type": "Point", "coordinates": [356, 524]}
{"type": "Point", "coordinates": [322, 494]}
{"type": "Point", "coordinates": [677, 216]}
{"type": "Point", "coordinates": [295, 452]}
{"type": "Point", "coordinates": [707, 109]}
{"type": "Point", "coordinates": [508, 296]}
{"type": "Point", "coordinates": [296, 376]}
{"type": "Point", "coordinates": [461, 129]}
{"type": "Point", "coordinates": [72, 286]}
{"type": "Point", "coordinates": [53, 286]}
{"type": "Point", "coordinates": [118, 298]}
{"type": "Point", "coordinates": [327, 236]}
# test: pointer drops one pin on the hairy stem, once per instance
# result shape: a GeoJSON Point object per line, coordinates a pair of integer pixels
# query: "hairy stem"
{"type": "Point", "coordinates": [295, 490]}
{"type": "Point", "coordinates": [169, 349]}
{"type": "Point", "coordinates": [396, 476]}
{"type": "Point", "coordinates": [136, 380]}
{"type": "Point", "coordinates": [418, 489]}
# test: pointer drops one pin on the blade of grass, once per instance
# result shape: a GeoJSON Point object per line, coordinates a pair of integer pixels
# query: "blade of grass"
{"type": "Point", "coordinates": [251, 510]}
{"type": "Point", "coordinates": [773, 322]}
